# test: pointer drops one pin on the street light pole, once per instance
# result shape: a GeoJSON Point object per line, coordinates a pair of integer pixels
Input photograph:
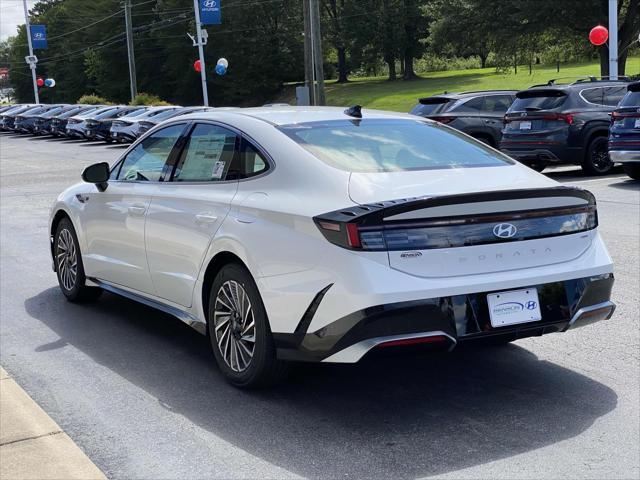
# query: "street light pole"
{"type": "Point", "coordinates": [32, 64]}
{"type": "Point", "coordinates": [132, 61]}
{"type": "Point", "coordinates": [203, 71]}
{"type": "Point", "coordinates": [613, 39]}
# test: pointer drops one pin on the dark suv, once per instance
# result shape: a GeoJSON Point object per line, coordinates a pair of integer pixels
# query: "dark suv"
{"type": "Point", "coordinates": [624, 133]}
{"type": "Point", "coordinates": [555, 124]}
{"type": "Point", "coordinates": [478, 114]}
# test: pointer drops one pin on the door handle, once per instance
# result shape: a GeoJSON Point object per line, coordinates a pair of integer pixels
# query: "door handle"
{"type": "Point", "coordinates": [203, 218]}
{"type": "Point", "coordinates": [137, 209]}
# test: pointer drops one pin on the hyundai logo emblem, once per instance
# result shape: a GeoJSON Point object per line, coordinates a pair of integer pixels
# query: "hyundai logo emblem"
{"type": "Point", "coordinates": [505, 230]}
{"type": "Point", "coordinates": [523, 114]}
{"type": "Point", "coordinates": [209, 3]}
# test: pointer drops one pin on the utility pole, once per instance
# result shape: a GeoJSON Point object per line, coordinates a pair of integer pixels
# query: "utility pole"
{"type": "Point", "coordinates": [316, 46]}
{"type": "Point", "coordinates": [203, 70]}
{"type": "Point", "coordinates": [613, 39]}
{"type": "Point", "coordinates": [132, 60]}
{"type": "Point", "coordinates": [308, 55]}
{"type": "Point", "coordinates": [32, 59]}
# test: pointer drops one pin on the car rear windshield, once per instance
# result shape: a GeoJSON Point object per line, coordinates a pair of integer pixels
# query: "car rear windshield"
{"type": "Point", "coordinates": [531, 101]}
{"type": "Point", "coordinates": [631, 99]}
{"type": "Point", "coordinates": [379, 145]}
{"type": "Point", "coordinates": [432, 106]}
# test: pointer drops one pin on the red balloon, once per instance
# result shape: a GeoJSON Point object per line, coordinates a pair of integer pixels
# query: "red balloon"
{"type": "Point", "coordinates": [40, 82]}
{"type": "Point", "coordinates": [196, 66]}
{"type": "Point", "coordinates": [598, 35]}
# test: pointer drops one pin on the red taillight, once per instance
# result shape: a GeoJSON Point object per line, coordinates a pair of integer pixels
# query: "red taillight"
{"type": "Point", "coordinates": [443, 119]}
{"type": "Point", "coordinates": [414, 341]}
{"type": "Point", "coordinates": [353, 235]}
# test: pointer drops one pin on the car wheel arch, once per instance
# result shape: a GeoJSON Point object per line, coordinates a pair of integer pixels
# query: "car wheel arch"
{"type": "Point", "coordinates": [55, 221]}
{"type": "Point", "coordinates": [216, 263]}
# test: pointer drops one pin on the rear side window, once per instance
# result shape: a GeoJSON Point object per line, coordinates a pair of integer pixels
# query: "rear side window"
{"type": "Point", "coordinates": [473, 105]}
{"type": "Point", "coordinates": [210, 152]}
{"type": "Point", "coordinates": [497, 103]}
{"type": "Point", "coordinates": [252, 162]}
{"type": "Point", "coordinates": [538, 100]}
{"type": "Point", "coordinates": [378, 145]}
{"type": "Point", "coordinates": [593, 95]}
{"type": "Point", "coordinates": [432, 106]}
{"type": "Point", "coordinates": [613, 95]}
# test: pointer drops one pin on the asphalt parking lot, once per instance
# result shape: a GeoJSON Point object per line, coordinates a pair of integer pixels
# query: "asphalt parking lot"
{"type": "Point", "coordinates": [139, 391]}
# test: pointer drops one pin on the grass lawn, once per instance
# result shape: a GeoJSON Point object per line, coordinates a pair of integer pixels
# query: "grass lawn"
{"type": "Point", "coordinates": [402, 95]}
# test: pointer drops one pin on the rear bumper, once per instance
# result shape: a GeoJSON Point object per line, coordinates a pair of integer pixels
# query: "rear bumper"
{"type": "Point", "coordinates": [445, 322]}
{"type": "Point", "coordinates": [122, 136]}
{"type": "Point", "coordinates": [529, 154]}
{"type": "Point", "coordinates": [625, 156]}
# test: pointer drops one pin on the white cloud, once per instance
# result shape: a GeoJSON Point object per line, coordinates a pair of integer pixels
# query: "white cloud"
{"type": "Point", "coordinates": [11, 15]}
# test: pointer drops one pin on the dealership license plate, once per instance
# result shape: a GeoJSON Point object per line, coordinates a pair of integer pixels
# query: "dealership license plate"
{"type": "Point", "coordinates": [637, 125]}
{"type": "Point", "coordinates": [512, 307]}
{"type": "Point", "coordinates": [525, 125]}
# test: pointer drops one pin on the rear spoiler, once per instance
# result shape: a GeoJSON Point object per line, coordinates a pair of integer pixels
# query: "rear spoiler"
{"type": "Point", "coordinates": [363, 227]}
{"type": "Point", "coordinates": [374, 213]}
{"type": "Point", "coordinates": [435, 100]}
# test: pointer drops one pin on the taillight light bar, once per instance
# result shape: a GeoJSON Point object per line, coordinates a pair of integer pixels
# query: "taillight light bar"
{"type": "Point", "coordinates": [369, 228]}
{"type": "Point", "coordinates": [565, 117]}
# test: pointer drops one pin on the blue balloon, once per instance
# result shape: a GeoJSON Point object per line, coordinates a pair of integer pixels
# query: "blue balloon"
{"type": "Point", "coordinates": [221, 69]}
{"type": "Point", "coordinates": [47, 82]}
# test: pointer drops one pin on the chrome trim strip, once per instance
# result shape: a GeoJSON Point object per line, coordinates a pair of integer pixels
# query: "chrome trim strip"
{"type": "Point", "coordinates": [356, 351]}
{"type": "Point", "coordinates": [591, 308]}
{"type": "Point", "coordinates": [624, 156]}
{"type": "Point", "coordinates": [181, 315]}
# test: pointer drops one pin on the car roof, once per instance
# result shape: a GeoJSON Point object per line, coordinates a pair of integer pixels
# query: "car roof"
{"type": "Point", "coordinates": [477, 93]}
{"type": "Point", "coordinates": [283, 115]}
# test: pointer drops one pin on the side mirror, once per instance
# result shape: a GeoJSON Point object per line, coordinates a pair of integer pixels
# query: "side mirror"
{"type": "Point", "coordinates": [97, 173]}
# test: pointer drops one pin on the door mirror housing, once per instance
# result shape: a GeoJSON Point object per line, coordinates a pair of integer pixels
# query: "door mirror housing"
{"type": "Point", "coordinates": [98, 174]}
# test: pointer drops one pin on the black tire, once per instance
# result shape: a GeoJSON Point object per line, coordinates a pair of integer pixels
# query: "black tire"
{"type": "Point", "coordinates": [483, 139]}
{"type": "Point", "coordinates": [538, 167]}
{"type": "Point", "coordinates": [262, 368]}
{"type": "Point", "coordinates": [596, 160]}
{"type": "Point", "coordinates": [632, 170]}
{"type": "Point", "coordinates": [75, 290]}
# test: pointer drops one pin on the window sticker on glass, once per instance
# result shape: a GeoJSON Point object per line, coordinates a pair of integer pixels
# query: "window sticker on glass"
{"type": "Point", "coordinates": [218, 170]}
{"type": "Point", "coordinates": [203, 160]}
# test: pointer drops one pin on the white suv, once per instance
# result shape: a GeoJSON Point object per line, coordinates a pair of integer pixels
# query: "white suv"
{"type": "Point", "coordinates": [321, 234]}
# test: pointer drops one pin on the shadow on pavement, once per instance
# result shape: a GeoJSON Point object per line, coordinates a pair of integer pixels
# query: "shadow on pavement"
{"type": "Point", "coordinates": [384, 418]}
{"type": "Point", "coordinates": [627, 184]}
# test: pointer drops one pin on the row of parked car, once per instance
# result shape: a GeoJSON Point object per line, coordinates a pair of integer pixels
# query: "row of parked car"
{"type": "Point", "coordinates": [591, 122]}
{"type": "Point", "coordinates": [109, 123]}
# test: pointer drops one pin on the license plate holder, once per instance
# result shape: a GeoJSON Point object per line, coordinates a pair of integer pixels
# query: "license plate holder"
{"type": "Point", "coordinates": [525, 125]}
{"type": "Point", "coordinates": [514, 307]}
{"type": "Point", "coordinates": [637, 124]}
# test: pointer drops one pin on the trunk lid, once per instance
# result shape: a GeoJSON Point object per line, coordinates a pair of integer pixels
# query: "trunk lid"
{"type": "Point", "coordinates": [501, 218]}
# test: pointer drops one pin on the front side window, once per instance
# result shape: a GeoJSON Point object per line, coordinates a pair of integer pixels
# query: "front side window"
{"type": "Point", "coordinates": [146, 161]}
{"type": "Point", "coordinates": [379, 145]}
{"type": "Point", "coordinates": [208, 156]}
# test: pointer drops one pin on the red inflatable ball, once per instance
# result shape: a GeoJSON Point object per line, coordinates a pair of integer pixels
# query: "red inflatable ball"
{"type": "Point", "coordinates": [196, 66]}
{"type": "Point", "coordinates": [598, 35]}
{"type": "Point", "coordinates": [40, 82]}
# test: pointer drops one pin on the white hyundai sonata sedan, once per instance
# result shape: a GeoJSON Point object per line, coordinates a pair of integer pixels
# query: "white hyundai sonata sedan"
{"type": "Point", "coordinates": [323, 234]}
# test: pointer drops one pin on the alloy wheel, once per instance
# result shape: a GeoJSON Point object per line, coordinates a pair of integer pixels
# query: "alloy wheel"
{"type": "Point", "coordinates": [234, 324]}
{"type": "Point", "coordinates": [600, 158]}
{"type": "Point", "coordinates": [67, 259]}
